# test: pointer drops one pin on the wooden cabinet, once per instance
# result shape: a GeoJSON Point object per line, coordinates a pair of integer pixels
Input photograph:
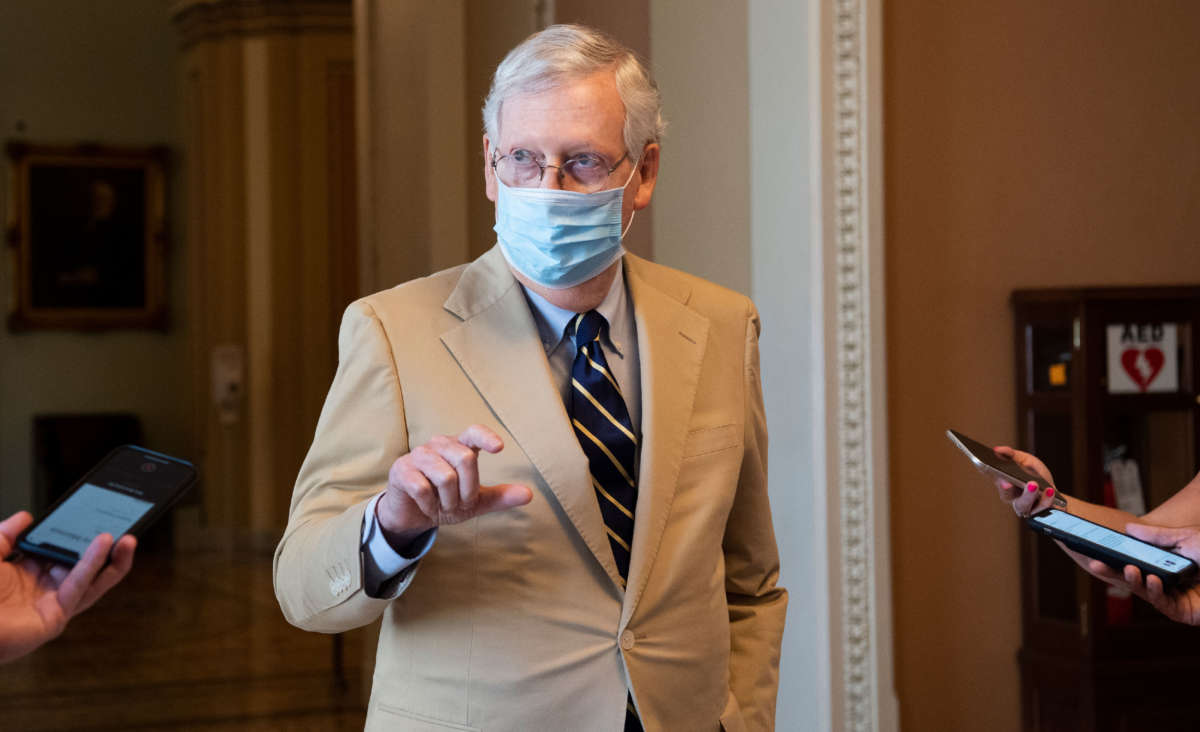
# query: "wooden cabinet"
{"type": "Point", "coordinates": [1091, 659]}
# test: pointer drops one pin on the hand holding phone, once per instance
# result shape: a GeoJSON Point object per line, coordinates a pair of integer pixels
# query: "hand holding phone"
{"type": "Point", "coordinates": [1183, 605]}
{"type": "Point", "coordinates": [1113, 548]}
{"type": "Point", "coordinates": [1116, 549]}
{"type": "Point", "coordinates": [38, 598]}
{"type": "Point", "coordinates": [1001, 467]}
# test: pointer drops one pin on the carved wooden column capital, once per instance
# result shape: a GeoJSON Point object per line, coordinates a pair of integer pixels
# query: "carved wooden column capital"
{"type": "Point", "coordinates": [199, 20]}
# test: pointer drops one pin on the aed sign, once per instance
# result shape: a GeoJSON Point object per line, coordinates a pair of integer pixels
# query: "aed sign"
{"type": "Point", "coordinates": [1142, 358]}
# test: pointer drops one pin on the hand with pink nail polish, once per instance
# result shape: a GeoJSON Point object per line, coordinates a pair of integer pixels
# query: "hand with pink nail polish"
{"type": "Point", "coordinates": [1173, 525]}
{"type": "Point", "coordinates": [1025, 500]}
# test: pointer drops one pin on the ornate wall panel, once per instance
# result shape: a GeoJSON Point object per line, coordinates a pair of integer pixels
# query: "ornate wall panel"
{"type": "Point", "coordinates": [854, 240]}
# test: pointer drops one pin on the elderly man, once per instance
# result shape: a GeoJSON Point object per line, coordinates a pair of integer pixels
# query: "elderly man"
{"type": "Point", "coordinates": [546, 469]}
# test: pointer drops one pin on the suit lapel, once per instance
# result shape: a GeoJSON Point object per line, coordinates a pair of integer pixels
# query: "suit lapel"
{"type": "Point", "coordinates": [671, 342]}
{"type": "Point", "coordinates": [498, 348]}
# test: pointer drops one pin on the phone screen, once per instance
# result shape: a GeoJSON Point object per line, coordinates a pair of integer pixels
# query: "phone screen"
{"type": "Point", "coordinates": [112, 498]}
{"type": "Point", "coordinates": [87, 513]}
{"type": "Point", "coordinates": [1113, 540]}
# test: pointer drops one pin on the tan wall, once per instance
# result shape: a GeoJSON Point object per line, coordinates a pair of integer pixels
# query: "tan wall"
{"type": "Point", "coordinates": [1027, 144]}
{"type": "Point", "coordinates": [73, 71]}
{"type": "Point", "coordinates": [493, 27]}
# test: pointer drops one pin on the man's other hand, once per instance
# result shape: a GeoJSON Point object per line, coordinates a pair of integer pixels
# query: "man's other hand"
{"type": "Point", "coordinates": [437, 484]}
{"type": "Point", "coordinates": [38, 597]}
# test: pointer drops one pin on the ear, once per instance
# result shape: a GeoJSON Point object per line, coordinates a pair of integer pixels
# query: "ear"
{"type": "Point", "coordinates": [489, 174]}
{"type": "Point", "coordinates": [648, 174]}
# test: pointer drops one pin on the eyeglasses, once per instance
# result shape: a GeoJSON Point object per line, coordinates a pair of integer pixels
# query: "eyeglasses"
{"type": "Point", "coordinates": [586, 172]}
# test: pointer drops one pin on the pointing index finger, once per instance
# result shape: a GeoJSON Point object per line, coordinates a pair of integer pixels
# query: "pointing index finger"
{"type": "Point", "coordinates": [479, 437]}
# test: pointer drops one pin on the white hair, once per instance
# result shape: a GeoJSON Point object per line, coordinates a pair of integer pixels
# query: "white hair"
{"type": "Point", "coordinates": [565, 52]}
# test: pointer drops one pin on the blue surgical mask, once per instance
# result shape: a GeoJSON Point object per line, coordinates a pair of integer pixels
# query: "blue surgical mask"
{"type": "Point", "coordinates": [556, 238]}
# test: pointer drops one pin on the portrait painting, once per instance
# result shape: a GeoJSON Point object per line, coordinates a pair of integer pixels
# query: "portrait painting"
{"type": "Point", "coordinates": [88, 235]}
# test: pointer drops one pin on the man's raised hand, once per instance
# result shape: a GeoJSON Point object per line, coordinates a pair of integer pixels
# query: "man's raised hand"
{"type": "Point", "coordinates": [437, 484]}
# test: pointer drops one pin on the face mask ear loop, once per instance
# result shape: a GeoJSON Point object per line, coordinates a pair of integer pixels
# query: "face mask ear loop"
{"type": "Point", "coordinates": [626, 231]}
{"type": "Point", "coordinates": [631, 213]}
{"type": "Point", "coordinates": [635, 167]}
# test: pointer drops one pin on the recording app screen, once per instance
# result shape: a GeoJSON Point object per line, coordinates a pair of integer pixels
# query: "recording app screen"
{"type": "Point", "coordinates": [1113, 540]}
{"type": "Point", "coordinates": [112, 499]}
{"type": "Point", "coordinates": [89, 512]}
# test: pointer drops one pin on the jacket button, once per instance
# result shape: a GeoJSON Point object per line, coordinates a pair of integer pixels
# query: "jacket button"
{"type": "Point", "coordinates": [627, 640]}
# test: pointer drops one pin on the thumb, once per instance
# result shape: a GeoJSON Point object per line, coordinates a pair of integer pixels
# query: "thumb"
{"type": "Point", "coordinates": [77, 582]}
{"type": "Point", "coordinates": [10, 529]}
{"type": "Point", "coordinates": [1161, 535]}
{"type": "Point", "coordinates": [502, 497]}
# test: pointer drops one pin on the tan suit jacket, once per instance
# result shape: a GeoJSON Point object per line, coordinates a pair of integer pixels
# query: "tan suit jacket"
{"type": "Point", "coordinates": [517, 620]}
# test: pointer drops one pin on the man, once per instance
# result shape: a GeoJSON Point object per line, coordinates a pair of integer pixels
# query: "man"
{"type": "Point", "coordinates": [38, 599]}
{"type": "Point", "coordinates": [546, 469]}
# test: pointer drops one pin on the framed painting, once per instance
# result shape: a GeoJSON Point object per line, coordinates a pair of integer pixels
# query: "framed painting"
{"type": "Point", "coordinates": [88, 232]}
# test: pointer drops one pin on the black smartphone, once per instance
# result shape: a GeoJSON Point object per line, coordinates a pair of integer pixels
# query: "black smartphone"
{"type": "Point", "coordinates": [1114, 548]}
{"type": "Point", "coordinates": [125, 493]}
{"type": "Point", "coordinates": [987, 461]}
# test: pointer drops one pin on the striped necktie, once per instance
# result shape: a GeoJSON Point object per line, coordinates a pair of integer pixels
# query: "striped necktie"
{"type": "Point", "coordinates": [605, 432]}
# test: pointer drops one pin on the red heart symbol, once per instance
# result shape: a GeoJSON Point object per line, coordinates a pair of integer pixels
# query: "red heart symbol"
{"type": "Point", "coordinates": [1142, 370]}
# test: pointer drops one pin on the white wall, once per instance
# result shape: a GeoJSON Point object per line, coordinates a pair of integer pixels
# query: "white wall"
{"type": "Point", "coordinates": [737, 203]}
{"type": "Point", "coordinates": [786, 276]}
{"type": "Point", "coordinates": [73, 71]}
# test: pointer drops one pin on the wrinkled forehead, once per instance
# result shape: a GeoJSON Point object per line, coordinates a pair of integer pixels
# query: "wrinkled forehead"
{"type": "Point", "coordinates": [587, 106]}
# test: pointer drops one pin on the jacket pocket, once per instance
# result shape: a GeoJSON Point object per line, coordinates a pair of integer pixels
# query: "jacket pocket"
{"type": "Point", "coordinates": [385, 718]}
{"type": "Point", "coordinates": [712, 439]}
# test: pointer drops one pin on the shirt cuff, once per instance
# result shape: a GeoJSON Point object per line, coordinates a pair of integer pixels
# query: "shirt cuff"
{"type": "Point", "coordinates": [386, 560]}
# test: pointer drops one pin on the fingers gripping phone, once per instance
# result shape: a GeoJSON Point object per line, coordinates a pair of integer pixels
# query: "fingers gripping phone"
{"type": "Point", "coordinates": [1114, 548]}
{"type": "Point", "coordinates": [125, 493]}
{"type": "Point", "coordinates": [987, 461]}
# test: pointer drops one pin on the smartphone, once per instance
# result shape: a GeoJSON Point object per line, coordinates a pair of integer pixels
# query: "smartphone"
{"type": "Point", "coordinates": [1115, 548]}
{"type": "Point", "coordinates": [125, 493]}
{"type": "Point", "coordinates": [987, 461]}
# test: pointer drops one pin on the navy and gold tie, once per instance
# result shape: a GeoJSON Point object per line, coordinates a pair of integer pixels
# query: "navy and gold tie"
{"type": "Point", "coordinates": [606, 433]}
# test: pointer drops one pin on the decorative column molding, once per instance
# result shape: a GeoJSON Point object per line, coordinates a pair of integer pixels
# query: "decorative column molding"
{"type": "Point", "coordinates": [270, 221]}
{"type": "Point", "coordinates": [862, 647]}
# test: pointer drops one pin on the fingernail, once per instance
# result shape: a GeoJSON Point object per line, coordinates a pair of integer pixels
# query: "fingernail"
{"type": "Point", "coordinates": [1031, 486]}
{"type": "Point", "coordinates": [1049, 492]}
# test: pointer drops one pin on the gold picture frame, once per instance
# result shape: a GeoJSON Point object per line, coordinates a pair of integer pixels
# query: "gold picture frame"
{"type": "Point", "coordinates": [88, 233]}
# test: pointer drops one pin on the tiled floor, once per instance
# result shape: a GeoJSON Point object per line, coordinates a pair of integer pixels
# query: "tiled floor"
{"type": "Point", "coordinates": [191, 642]}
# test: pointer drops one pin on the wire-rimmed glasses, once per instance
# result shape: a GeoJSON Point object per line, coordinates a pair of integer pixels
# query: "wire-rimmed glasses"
{"type": "Point", "coordinates": [585, 172]}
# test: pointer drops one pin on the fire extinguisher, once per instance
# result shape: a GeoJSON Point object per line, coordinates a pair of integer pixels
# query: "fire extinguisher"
{"type": "Point", "coordinates": [1118, 600]}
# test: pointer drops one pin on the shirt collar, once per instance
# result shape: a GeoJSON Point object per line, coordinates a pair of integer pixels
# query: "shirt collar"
{"type": "Point", "coordinates": [552, 320]}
